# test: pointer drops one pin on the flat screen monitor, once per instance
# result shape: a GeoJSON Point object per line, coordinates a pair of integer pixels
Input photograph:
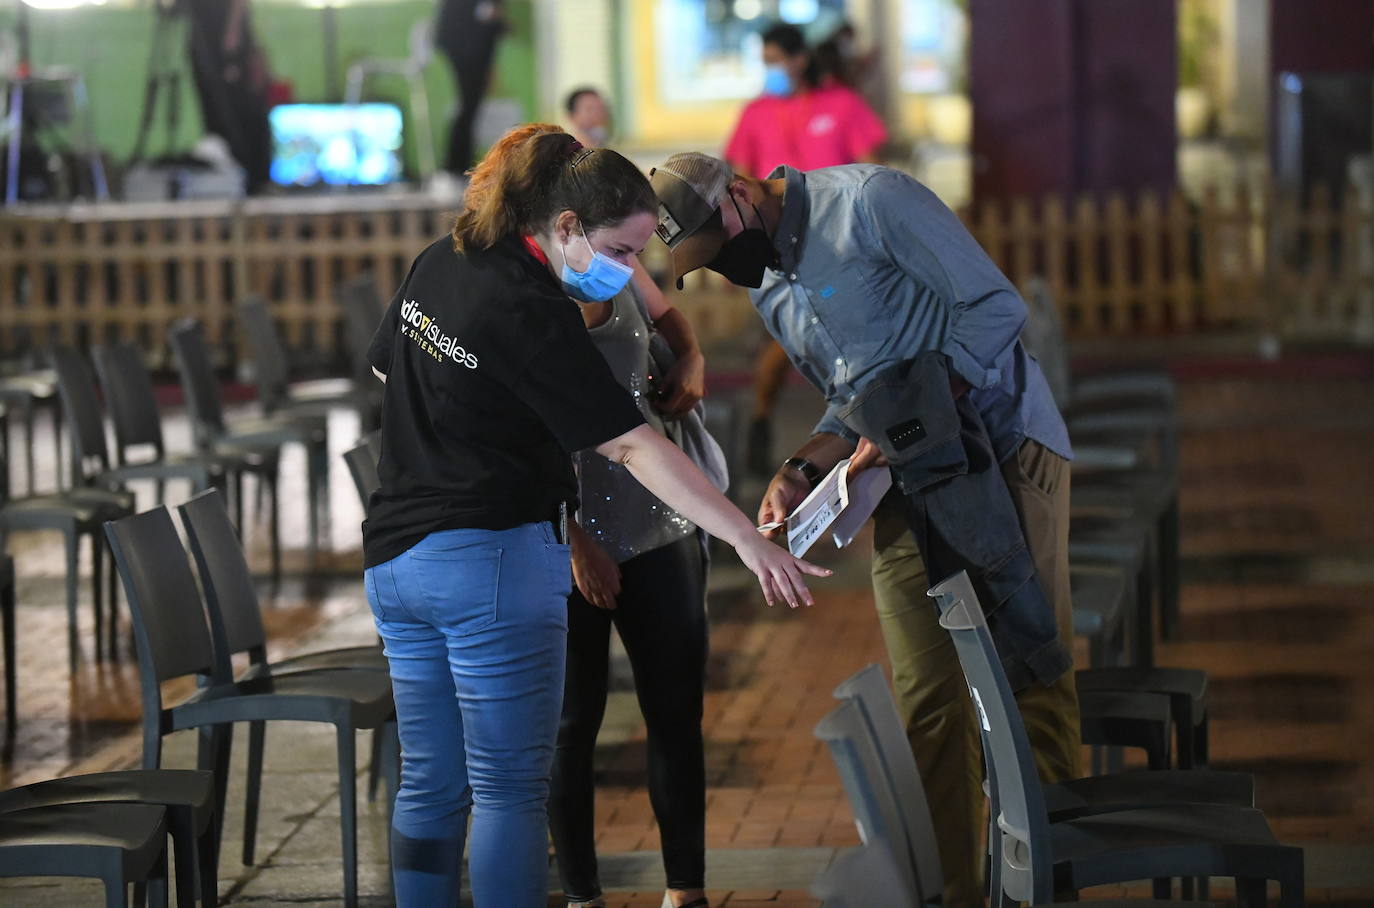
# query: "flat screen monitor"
{"type": "Point", "coordinates": [336, 144]}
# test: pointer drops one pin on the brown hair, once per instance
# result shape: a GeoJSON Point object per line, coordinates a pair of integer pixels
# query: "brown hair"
{"type": "Point", "coordinates": [535, 171]}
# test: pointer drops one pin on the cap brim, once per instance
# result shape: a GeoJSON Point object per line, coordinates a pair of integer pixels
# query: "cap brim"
{"type": "Point", "coordinates": [698, 249]}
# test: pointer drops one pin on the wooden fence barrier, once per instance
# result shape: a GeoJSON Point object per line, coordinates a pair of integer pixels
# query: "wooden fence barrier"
{"type": "Point", "coordinates": [1118, 267]}
{"type": "Point", "coordinates": [91, 274]}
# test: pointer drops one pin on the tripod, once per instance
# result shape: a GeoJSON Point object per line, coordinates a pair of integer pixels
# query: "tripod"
{"type": "Point", "coordinates": [166, 66]}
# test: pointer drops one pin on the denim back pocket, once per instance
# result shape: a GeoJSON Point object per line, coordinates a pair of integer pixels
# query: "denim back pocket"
{"type": "Point", "coordinates": [459, 587]}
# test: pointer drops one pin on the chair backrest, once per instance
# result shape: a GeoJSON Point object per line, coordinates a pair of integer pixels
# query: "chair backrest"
{"type": "Point", "coordinates": [130, 399]}
{"type": "Point", "coordinates": [362, 312]}
{"type": "Point", "coordinates": [1043, 337]}
{"type": "Point", "coordinates": [862, 877]}
{"type": "Point", "coordinates": [231, 601]}
{"type": "Point", "coordinates": [868, 688]}
{"type": "Point", "coordinates": [269, 356]}
{"type": "Point", "coordinates": [1018, 801]}
{"type": "Point", "coordinates": [876, 815]}
{"type": "Point", "coordinates": [198, 382]}
{"type": "Point", "coordinates": [362, 464]}
{"type": "Point", "coordinates": [169, 619]}
{"type": "Point", "coordinates": [81, 403]}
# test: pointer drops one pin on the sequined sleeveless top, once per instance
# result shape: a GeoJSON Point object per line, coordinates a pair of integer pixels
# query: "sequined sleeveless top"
{"type": "Point", "coordinates": [623, 517]}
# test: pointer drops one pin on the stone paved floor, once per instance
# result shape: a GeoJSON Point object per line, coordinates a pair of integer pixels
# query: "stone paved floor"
{"type": "Point", "coordinates": [1277, 542]}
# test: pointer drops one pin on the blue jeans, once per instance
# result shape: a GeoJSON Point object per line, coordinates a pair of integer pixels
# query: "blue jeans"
{"type": "Point", "coordinates": [475, 627]}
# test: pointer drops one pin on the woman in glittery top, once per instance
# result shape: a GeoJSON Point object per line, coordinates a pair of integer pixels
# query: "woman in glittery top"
{"type": "Point", "coordinates": [638, 565]}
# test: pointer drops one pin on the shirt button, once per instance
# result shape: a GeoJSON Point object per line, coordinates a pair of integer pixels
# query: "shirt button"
{"type": "Point", "coordinates": [792, 276]}
{"type": "Point", "coordinates": [839, 361]}
{"type": "Point", "coordinates": [794, 241]}
{"type": "Point", "coordinates": [814, 319]}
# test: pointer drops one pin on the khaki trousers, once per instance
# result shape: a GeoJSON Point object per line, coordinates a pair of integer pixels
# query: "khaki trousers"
{"type": "Point", "coordinates": [932, 697]}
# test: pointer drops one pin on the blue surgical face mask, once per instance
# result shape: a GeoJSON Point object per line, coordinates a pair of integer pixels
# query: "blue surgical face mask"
{"type": "Point", "coordinates": [603, 279]}
{"type": "Point", "coordinates": [776, 81]}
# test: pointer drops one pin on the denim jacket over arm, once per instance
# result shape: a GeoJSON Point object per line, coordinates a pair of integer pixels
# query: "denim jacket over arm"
{"type": "Point", "coordinates": [959, 507]}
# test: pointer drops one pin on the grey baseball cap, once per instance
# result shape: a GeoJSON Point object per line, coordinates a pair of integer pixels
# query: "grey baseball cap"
{"type": "Point", "coordinates": [690, 187]}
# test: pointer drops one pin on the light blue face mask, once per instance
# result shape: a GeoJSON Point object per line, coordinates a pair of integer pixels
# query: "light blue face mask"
{"type": "Point", "coordinates": [776, 81]}
{"type": "Point", "coordinates": [603, 279]}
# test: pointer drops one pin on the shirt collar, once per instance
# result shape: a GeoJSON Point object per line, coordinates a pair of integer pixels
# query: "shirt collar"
{"type": "Point", "coordinates": [790, 236]}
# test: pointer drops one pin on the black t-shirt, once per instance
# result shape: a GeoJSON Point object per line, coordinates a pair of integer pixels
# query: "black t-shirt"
{"type": "Point", "coordinates": [492, 382]}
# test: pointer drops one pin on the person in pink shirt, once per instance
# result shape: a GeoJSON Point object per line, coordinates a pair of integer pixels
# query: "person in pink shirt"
{"type": "Point", "coordinates": [808, 123]}
{"type": "Point", "coordinates": [799, 120]}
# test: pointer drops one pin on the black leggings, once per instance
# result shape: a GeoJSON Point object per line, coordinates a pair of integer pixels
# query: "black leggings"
{"type": "Point", "coordinates": [661, 618]}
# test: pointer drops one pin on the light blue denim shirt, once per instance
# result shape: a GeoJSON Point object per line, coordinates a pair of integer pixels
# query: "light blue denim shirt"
{"type": "Point", "coordinates": [875, 270]}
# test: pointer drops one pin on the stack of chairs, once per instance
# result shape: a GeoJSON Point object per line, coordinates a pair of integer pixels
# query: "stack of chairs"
{"type": "Point", "coordinates": [1044, 840]}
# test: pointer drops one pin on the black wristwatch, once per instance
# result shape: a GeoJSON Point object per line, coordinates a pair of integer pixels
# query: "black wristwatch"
{"type": "Point", "coordinates": [805, 467]}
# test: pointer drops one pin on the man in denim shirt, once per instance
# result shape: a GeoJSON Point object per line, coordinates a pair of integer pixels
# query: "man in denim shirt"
{"type": "Point", "coordinates": [855, 270]}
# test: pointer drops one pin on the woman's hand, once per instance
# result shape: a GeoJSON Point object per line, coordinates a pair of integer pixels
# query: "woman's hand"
{"type": "Point", "coordinates": [594, 571]}
{"type": "Point", "coordinates": [684, 386]}
{"type": "Point", "coordinates": [779, 572]}
{"type": "Point", "coordinates": [866, 455]}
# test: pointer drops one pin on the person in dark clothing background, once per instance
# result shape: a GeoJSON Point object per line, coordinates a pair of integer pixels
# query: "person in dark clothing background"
{"type": "Point", "coordinates": [467, 33]}
{"type": "Point", "coordinates": [231, 77]}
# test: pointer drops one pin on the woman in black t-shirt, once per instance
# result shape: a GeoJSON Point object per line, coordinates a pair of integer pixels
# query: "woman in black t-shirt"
{"type": "Point", "coordinates": [491, 382]}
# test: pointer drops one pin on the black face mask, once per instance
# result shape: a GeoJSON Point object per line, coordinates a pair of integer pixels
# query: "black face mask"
{"type": "Point", "coordinates": [744, 257]}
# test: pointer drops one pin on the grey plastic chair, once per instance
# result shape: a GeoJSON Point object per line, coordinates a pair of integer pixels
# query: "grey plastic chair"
{"type": "Point", "coordinates": [277, 393]}
{"type": "Point", "coordinates": [869, 690]}
{"type": "Point", "coordinates": [212, 434]}
{"type": "Point", "coordinates": [1036, 857]}
{"type": "Point", "coordinates": [876, 813]}
{"type": "Point", "coordinates": [137, 424]}
{"type": "Point", "coordinates": [174, 641]}
{"type": "Point", "coordinates": [187, 795]}
{"type": "Point", "coordinates": [862, 877]}
{"type": "Point", "coordinates": [236, 627]}
{"type": "Point", "coordinates": [91, 465]}
{"type": "Point", "coordinates": [75, 513]}
{"type": "Point", "coordinates": [22, 393]}
{"type": "Point", "coordinates": [362, 309]}
{"type": "Point", "coordinates": [117, 844]}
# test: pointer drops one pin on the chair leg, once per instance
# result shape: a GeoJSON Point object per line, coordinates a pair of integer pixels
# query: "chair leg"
{"type": "Point", "coordinates": [238, 503]}
{"type": "Point", "coordinates": [72, 541]}
{"type": "Point", "coordinates": [275, 521]}
{"type": "Point", "coordinates": [257, 732]}
{"type": "Point", "coordinates": [183, 829]}
{"type": "Point", "coordinates": [117, 891]}
{"type": "Point", "coordinates": [7, 606]}
{"type": "Point", "coordinates": [113, 600]}
{"type": "Point", "coordinates": [1250, 893]}
{"type": "Point", "coordinates": [98, 595]}
{"type": "Point", "coordinates": [348, 810]}
{"type": "Point", "coordinates": [157, 882]}
{"type": "Point", "coordinates": [312, 474]}
{"type": "Point", "coordinates": [207, 866]}
{"type": "Point", "coordinates": [1170, 608]}
{"type": "Point", "coordinates": [214, 744]}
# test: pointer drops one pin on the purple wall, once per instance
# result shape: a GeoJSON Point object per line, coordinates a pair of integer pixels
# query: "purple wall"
{"type": "Point", "coordinates": [1072, 96]}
